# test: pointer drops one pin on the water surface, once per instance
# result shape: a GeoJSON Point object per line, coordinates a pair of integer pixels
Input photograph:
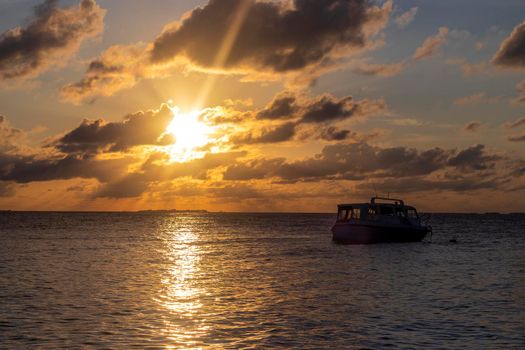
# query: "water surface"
{"type": "Point", "coordinates": [210, 280]}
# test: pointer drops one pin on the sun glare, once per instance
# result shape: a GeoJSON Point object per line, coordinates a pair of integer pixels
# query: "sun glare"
{"type": "Point", "coordinates": [190, 134]}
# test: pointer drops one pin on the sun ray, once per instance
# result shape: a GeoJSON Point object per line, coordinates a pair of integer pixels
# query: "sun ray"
{"type": "Point", "coordinates": [224, 50]}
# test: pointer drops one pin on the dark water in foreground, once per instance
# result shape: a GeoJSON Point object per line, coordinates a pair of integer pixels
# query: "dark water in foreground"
{"type": "Point", "coordinates": [256, 281]}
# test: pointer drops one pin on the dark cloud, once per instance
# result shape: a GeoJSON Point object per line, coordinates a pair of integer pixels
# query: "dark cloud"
{"type": "Point", "coordinates": [328, 109]}
{"type": "Point", "coordinates": [334, 134]}
{"type": "Point", "coordinates": [51, 37]}
{"type": "Point", "coordinates": [511, 53]}
{"type": "Point", "coordinates": [272, 35]}
{"type": "Point", "coordinates": [283, 106]}
{"type": "Point", "coordinates": [472, 126]}
{"type": "Point", "coordinates": [298, 40]}
{"type": "Point", "coordinates": [473, 158]}
{"type": "Point", "coordinates": [422, 184]}
{"type": "Point", "coordinates": [281, 133]}
{"type": "Point", "coordinates": [254, 169]}
{"type": "Point", "coordinates": [357, 160]}
{"type": "Point", "coordinates": [141, 128]}
{"type": "Point", "coordinates": [29, 168]}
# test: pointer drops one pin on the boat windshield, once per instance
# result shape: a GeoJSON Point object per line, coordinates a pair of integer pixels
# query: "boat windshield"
{"type": "Point", "coordinates": [412, 213]}
{"type": "Point", "coordinates": [349, 213]}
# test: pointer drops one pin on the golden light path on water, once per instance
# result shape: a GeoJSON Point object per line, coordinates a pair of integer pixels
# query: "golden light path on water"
{"type": "Point", "coordinates": [180, 295]}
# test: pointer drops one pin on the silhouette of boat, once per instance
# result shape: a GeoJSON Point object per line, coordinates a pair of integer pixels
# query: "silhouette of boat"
{"type": "Point", "coordinates": [377, 222]}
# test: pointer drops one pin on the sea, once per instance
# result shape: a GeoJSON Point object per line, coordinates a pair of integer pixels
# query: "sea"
{"type": "Point", "coordinates": [194, 280]}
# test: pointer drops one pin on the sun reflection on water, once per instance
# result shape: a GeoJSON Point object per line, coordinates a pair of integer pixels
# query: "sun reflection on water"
{"type": "Point", "coordinates": [180, 294]}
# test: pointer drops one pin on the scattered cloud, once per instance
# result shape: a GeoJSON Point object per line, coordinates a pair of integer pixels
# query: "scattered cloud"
{"type": "Point", "coordinates": [511, 53]}
{"type": "Point", "coordinates": [517, 138]}
{"type": "Point", "coordinates": [6, 189]}
{"type": "Point", "coordinates": [521, 92]}
{"type": "Point", "coordinates": [333, 133]}
{"type": "Point", "coordinates": [406, 18]}
{"type": "Point", "coordinates": [10, 138]}
{"type": "Point", "coordinates": [384, 70]}
{"type": "Point", "coordinates": [119, 67]}
{"type": "Point", "coordinates": [469, 69]}
{"type": "Point", "coordinates": [473, 126]}
{"type": "Point", "coordinates": [431, 44]}
{"type": "Point", "coordinates": [52, 36]}
{"type": "Point", "coordinates": [515, 124]}
{"type": "Point", "coordinates": [477, 98]}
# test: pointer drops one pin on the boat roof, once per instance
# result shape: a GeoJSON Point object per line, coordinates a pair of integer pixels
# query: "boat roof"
{"type": "Point", "coordinates": [373, 201]}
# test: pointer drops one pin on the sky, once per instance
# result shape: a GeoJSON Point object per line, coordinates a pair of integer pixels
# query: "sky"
{"type": "Point", "coordinates": [246, 105]}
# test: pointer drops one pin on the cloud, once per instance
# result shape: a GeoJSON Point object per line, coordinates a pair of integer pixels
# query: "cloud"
{"type": "Point", "coordinates": [140, 128]}
{"type": "Point", "coordinates": [284, 105]}
{"type": "Point", "coordinates": [6, 189]}
{"type": "Point", "coordinates": [384, 70]}
{"type": "Point", "coordinates": [303, 118]}
{"type": "Point", "coordinates": [359, 160]}
{"type": "Point", "coordinates": [268, 40]}
{"type": "Point", "coordinates": [272, 36]}
{"type": "Point", "coordinates": [157, 169]}
{"type": "Point", "coordinates": [51, 37]}
{"type": "Point", "coordinates": [477, 98]}
{"type": "Point", "coordinates": [515, 124]}
{"type": "Point", "coordinates": [253, 169]}
{"type": "Point", "coordinates": [406, 18]}
{"type": "Point", "coordinates": [422, 184]}
{"type": "Point", "coordinates": [521, 92]}
{"type": "Point", "coordinates": [469, 69]}
{"type": "Point", "coordinates": [30, 168]}
{"type": "Point", "coordinates": [119, 67]}
{"type": "Point", "coordinates": [511, 53]}
{"type": "Point", "coordinates": [281, 133]}
{"type": "Point", "coordinates": [473, 158]}
{"type": "Point", "coordinates": [327, 108]}
{"type": "Point", "coordinates": [333, 133]}
{"type": "Point", "coordinates": [473, 126]}
{"type": "Point", "coordinates": [517, 138]}
{"type": "Point", "coordinates": [431, 44]}
{"type": "Point", "coordinates": [9, 137]}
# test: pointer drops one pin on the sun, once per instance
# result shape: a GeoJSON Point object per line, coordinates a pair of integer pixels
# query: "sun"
{"type": "Point", "coordinates": [190, 133]}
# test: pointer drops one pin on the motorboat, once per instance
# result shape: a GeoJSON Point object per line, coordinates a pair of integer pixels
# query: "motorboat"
{"type": "Point", "coordinates": [381, 220]}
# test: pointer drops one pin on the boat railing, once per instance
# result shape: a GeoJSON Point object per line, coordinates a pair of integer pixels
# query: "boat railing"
{"type": "Point", "coordinates": [396, 201]}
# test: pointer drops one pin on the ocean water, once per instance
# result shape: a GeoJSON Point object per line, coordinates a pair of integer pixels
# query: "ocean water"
{"type": "Point", "coordinates": [256, 281]}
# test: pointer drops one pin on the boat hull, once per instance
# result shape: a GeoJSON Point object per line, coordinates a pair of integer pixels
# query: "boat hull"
{"type": "Point", "coordinates": [347, 233]}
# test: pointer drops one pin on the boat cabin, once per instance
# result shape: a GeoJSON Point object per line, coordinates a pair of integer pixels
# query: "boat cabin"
{"type": "Point", "coordinates": [395, 210]}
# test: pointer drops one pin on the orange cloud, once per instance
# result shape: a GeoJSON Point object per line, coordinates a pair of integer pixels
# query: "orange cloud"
{"type": "Point", "coordinates": [431, 44]}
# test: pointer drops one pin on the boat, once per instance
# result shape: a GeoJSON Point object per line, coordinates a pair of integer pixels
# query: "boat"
{"type": "Point", "coordinates": [381, 220]}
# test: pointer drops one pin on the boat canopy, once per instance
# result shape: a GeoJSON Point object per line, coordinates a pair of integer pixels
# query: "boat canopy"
{"type": "Point", "coordinates": [364, 211]}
